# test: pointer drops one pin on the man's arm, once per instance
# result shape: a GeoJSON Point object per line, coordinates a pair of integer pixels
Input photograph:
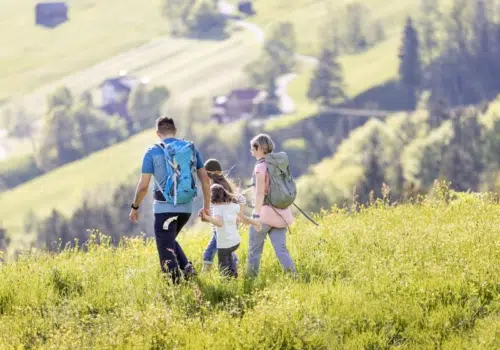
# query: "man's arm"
{"type": "Point", "coordinates": [205, 186]}
{"type": "Point", "coordinates": [140, 192]}
{"type": "Point", "coordinates": [141, 189]}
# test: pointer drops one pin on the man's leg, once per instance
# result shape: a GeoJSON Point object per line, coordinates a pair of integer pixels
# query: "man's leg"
{"type": "Point", "coordinates": [278, 240]}
{"type": "Point", "coordinates": [182, 219]}
{"type": "Point", "coordinates": [165, 243]}
{"type": "Point", "coordinates": [255, 248]}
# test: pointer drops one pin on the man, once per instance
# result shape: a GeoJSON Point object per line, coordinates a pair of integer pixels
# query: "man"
{"type": "Point", "coordinates": [169, 215]}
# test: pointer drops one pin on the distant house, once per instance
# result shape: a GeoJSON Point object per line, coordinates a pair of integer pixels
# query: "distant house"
{"type": "Point", "coordinates": [51, 14]}
{"type": "Point", "coordinates": [115, 92]}
{"type": "Point", "coordinates": [239, 104]}
{"type": "Point", "coordinates": [246, 7]}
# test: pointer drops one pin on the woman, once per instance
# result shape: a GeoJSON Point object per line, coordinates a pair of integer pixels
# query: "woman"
{"type": "Point", "coordinates": [274, 221]}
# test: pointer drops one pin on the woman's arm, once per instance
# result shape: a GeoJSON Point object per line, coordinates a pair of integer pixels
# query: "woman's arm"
{"type": "Point", "coordinates": [260, 183]}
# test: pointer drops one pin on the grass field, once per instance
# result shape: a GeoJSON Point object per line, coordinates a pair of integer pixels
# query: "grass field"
{"type": "Point", "coordinates": [410, 277]}
{"type": "Point", "coordinates": [96, 30]}
{"type": "Point", "coordinates": [95, 45]}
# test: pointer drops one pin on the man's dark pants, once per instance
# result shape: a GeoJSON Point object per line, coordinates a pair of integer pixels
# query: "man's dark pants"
{"type": "Point", "coordinates": [172, 256]}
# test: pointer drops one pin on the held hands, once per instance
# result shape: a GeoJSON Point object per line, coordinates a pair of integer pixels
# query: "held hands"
{"type": "Point", "coordinates": [203, 216]}
{"type": "Point", "coordinates": [203, 213]}
{"type": "Point", "coordinates": [257, 225]}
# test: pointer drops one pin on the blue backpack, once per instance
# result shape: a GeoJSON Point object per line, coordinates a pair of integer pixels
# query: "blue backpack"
{"type": "Point", "coordinates": [180, 160]}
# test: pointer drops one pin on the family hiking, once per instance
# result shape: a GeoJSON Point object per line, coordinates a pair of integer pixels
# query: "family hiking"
{"type": "Point", "coordinates": [176, 166]}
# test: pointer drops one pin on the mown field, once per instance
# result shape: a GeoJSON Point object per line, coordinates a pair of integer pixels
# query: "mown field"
{"type": "Point", "coordinates": [421, 276]}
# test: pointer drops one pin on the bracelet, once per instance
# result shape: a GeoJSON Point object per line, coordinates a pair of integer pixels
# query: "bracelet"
{"type": "Point", "coordinates": [255, 216]}
{"type": "Point", "coordinates": [134, 207]}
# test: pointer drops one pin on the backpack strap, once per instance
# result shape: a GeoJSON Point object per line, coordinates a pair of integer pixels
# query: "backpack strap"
{"type": "Point", "coordinates": [171, 175]}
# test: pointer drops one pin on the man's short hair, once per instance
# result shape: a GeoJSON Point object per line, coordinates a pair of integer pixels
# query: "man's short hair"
{"type": "Point", "coordinates": [165, 125]}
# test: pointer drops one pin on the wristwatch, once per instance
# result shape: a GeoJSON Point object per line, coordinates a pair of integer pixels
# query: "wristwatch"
{"type": "Point", "coordinates": [134, 207]}
{"type": "Point", "coordinates": [255, 216]}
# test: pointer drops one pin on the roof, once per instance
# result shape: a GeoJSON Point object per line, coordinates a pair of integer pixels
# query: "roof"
{"type": "Point", "coordinates": [52, 6]}
{"type": "Point", "coordinates": [245, 94]}
{"type": "Point", "coordinates": [119, 83]}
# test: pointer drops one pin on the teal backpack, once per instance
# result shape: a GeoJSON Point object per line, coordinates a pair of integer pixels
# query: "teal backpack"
{"type": "Point", "coordinates": [180, 160]}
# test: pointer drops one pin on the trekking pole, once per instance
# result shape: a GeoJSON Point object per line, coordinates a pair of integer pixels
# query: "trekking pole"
{"type": "Point", "coordinates": [307, 216]}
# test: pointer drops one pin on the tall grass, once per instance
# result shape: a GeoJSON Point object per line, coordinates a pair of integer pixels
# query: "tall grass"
{"type": "Point", "coordinates": [420, 276]}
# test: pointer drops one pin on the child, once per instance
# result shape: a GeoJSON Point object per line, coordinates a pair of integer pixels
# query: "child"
{"type": "Point", "coordinates": [224, 215]}
{"type": "Point", "coordinates": [216, 175]}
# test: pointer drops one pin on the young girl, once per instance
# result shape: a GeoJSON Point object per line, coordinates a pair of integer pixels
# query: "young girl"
{"type": "Point", "coordinates": [225, 212]}
{"type": "Point", "coordinates": [216, 175]}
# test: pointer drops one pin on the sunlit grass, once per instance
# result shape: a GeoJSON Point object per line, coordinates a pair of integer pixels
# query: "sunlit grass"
{"type": "Point", "coordinates": [413, 276]}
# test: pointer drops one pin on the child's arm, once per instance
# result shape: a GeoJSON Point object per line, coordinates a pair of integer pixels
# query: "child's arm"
{"type": "Point", "coordinates": [214, 220]}
{"type": "Point", "coordinates": [249, 221]}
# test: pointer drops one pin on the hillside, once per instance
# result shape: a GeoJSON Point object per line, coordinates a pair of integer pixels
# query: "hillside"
{"type": "Point", "coordinates": [412, 277]}
{"type": "Point", "coordinates": [192, 68]}
{"type": "Point", "coordinates": [96, 30]}
{"type": "Point", "coordinates": [65, 188]}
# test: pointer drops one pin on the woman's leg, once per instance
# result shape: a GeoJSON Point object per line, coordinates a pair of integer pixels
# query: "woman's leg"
{"type": "Point", "coordinates": [278, 240]}
{"type": "Point", "coordinates": [255, 247]}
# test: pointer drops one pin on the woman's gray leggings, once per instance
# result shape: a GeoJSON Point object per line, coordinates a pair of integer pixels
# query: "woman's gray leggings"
{"type": "Point", "coordinates": [256, 246]}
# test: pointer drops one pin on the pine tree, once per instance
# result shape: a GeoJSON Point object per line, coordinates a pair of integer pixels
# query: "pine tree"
{"type": "Point", "coordinates": [410, 66]}
{"type": "Point", "coordinates": [4, 240]}
{"type": "Point", "coordinates": [373, 173]}
{"type": "Point", "coordinates": [327, 85]}
{"type": "Point", "coordinates": [430, 16]}
{"type": "Point", "coordinates": [486, 61]}
{"type": "Point", "coordinates": [356, 17]}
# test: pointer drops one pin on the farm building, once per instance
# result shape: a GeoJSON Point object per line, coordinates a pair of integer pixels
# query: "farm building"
{"type": "Point", "coordinates": [115, 92]}
{"type": "Point", "coordinates": [51, 14]}
{"type": "Point", "coordinates": [246, 6]}
{"type": "Point", "coordinates": [239, 104]}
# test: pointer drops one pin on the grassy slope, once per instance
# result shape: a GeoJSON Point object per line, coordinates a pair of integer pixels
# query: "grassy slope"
{"type": "Point", "coordinates": [65, 187]}
{"type": "Point", "coordinates": [415, 277]}
{"type": "Point", "coordinates": [94, 45]}
{"type": "Point", "coordinates": [96, 30]}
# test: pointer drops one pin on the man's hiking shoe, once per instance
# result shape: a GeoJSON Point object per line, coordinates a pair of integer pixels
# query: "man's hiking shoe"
{"type": "Point", "coordinates": [189, 271]}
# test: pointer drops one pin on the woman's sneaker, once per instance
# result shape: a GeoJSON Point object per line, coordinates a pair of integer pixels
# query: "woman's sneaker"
{"type": "Point", "coordinates": [206, 267]}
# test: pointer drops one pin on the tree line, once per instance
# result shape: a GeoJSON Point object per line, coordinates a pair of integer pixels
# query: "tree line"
{"type": "Point", "coordinates": [74, 127]}
{"type": "Point", "coordinates": [405, 154]}
{"type": "Point", "coordinates": [451, 57]}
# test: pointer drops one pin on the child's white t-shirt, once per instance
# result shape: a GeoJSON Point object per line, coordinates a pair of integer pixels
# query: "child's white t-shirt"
{"type": "Point", "coordinates": [227, 235]}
